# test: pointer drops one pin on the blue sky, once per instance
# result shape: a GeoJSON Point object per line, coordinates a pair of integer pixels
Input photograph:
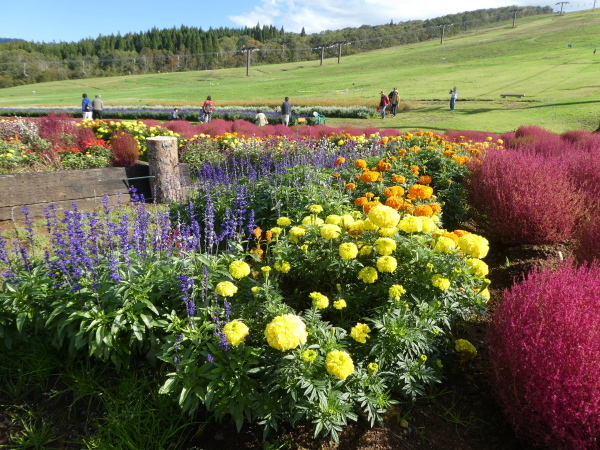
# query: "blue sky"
{"type": "Point", "coordinates": [72, 20]}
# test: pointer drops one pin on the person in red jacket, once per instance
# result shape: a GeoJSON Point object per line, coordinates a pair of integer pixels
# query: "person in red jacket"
{"type": "Point", "coordinates": [385, 100]}
{"type": "Point", "coordinates": [208, 108]}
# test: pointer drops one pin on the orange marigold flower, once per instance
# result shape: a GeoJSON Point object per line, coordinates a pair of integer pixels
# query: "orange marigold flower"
{"type": "Point", "coordinates": [420, 191]}
{"type": "Point", "coordinates": [369, 176]}
{"type": "Point", "coordinates": [414, 169]}
{"type": "Point", "coordinates": [350, 186]}
{"type": "Point", "coordinates": [369, 195]}
{"type": "Point", "coordinates": [449, 153]}
{"type": "Point", "coordinates": [423, 210]}
{"type": "Point", "coordinates": [402, 152]}
{"type": "Point", "coordinates": [415, 149]}
{"type": "Point", "coordinates": [338, 162]}
{"type": "Point", "coordinates": [460, 233]}
{"type": "Point", "coordinates": [435, 208]}
{"type": "Point", "coordinates": [419, 133]}
{"type": "Point", "coordinates": [361, 164]}
{"type": "Point", "coordinates": [383, 166]}
{"type": "Point", "coordinates": [398, 203]}
{"type": "Point", "coordinates": [269, 235]}
{"type": "Point", "coordinates": [361, 201]}
{"type": "Point", "coordinates": [337, 175]}
{"type": "Point", "coordinates": [257, 232]}
{"type": "Point", "coordinates": [424, 179]}
{"type": "Point", "coordinates": [398, 179]}
{"type": "Point", "coordinates": [393, 191]}
{"type": "Point", "coordinates": [452, 236]}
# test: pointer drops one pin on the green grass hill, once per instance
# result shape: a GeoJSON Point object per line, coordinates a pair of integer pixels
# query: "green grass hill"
{"type": "Point", "coordinates": [561, 83]}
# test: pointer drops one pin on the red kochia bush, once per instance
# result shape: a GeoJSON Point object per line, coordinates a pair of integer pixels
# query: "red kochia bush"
{"type": "Point", "coordinates": [125, 149]}
{"type": "Point", "coordinates": [544, 345]}
{"type": "Point", "coordinates": [523, 198]}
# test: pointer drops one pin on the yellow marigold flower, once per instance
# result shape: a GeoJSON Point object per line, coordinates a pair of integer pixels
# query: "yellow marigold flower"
{"type": "Point", "coordinates": [411, 224]}
{"type": "Point", "coordinates": [485, 293]}
{"type": "Point", "coordinates": [319, 301]}
{"type": "Point", "coordinates": [440, 282]}
{"type": "Point", "coordinates": [477, 267]}
{"type": "Point", "coordinates": [385, 246]}
{"type": "Point", "coordinates": [369, 195]}
{"type": "Point", "coordinates": [387, 264]}
{"type": "Point", "coordinates": [420, 191]}
{"type": "Point", "coordinates": [339, 161]}
{"type": "Point", "coordinates": [339, 304]}
{"type": "Point", "coordinates": [425, 179]}
{"type": "Point", "coordinates": [474, 245]}
{"type": "Point", "coordinates": [346, 220]}
{"type": "Point", "coordinates": [348, 250]}
{"type": "Point", "coordinates": [423, 358]}
{"type": "Point", "coordinates": [465, 348]}
{"type": "Point", "coordinates": [339, 364]}
{"type": "Point", "coordinates": [330, 231]}
{"type": "Point", "coordinates": [296, 232]}
{"type": "Point", "coordinates": [235, 332]}
{"type": "Point", "coordinates": [266, 270]}
{"type": "Point", "coordinates": [315, 209]}
{"type": "Point", "coordinates": [428, 224]}
{"type": "Point", "coordinates": [368, 274]}
{"type": "Point", "coordinates": [286, 332]}
{"type": "Point", "coordinates": [333, 219]}
{"type": "Point", "coordinates": [396, 291]}
{"type": "Point", "coordinates": [361, 163]}
{"type": "Point", "coordinates": [369, 176]}
{"type": "Point", "coordinates": [350, 186]}
{"type": "Point", "coordinates": [423, 211]}
{"type": "Point", "coordinates": [226, 289]}
{"type": "Point", "coordinates": [312, 220]}
{"type": "Point", "coordinates": [255, 289]}
{"type": "Point", "coordinates": [444, 245]}
{"type": "Point", "coordinates": [282, 266]}
{"type": "Point", "coordinates": [309, 356]}
{"type": "Point", "coordinates": [369, 205]}
{"type": "Point", "coordinates": [372, 368]}
{"type": "Point", "coordinates": [276, 231]}
{"type": "Point", "coordinates": [360, 332]}
{"type": "Point", "coordinates": [284, 221]}
{"type": "Point", "coordinates": [384, 216]}
{"type": "Point", "coordinates": [239, 269]}
{"type": "Point", "coordinates": [388, 231]}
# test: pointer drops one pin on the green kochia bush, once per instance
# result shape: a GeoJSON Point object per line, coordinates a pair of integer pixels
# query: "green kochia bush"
{"type": "Point", "coordinates": [545, 356]}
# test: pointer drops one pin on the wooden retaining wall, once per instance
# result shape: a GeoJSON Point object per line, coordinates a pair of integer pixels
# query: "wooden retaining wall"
{"type": "Point", "coordinates": [86, 188]}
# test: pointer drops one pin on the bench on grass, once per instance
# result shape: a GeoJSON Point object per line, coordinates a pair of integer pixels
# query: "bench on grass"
{"type": "Point", "coordinates": [512, 95]}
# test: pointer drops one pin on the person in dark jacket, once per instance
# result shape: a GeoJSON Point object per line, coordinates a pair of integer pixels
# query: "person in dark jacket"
{"type": "Point", "coordinates": [286, 111]}
{"type": "Point", "coordinates": [97, 106]}
{"type": "Point", "coordinates": [383, 102]}
{"type": "Point", "coordinates": [86, 107]}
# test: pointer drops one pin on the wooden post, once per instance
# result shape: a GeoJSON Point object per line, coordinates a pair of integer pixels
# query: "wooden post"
{"type": "Point", "coordinates": [163, 160]}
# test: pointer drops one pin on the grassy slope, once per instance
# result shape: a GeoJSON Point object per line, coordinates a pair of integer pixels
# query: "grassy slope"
{"type": "Point", "coordinates": [560, 83]}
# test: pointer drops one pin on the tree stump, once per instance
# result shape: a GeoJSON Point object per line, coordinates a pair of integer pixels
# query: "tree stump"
{"type": "Point", "coordinates": [165, 179]}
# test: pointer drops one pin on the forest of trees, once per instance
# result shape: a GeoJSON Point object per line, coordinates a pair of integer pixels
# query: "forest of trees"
{"type": "Point", "coordinates": [189, 48]}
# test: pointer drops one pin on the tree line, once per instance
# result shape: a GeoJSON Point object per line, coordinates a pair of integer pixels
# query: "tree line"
{"type": "Point", "coordinates": [190, 48]}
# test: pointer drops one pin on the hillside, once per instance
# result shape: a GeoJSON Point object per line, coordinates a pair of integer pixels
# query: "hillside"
{"type": "Point", "coordinates": [560, 83]}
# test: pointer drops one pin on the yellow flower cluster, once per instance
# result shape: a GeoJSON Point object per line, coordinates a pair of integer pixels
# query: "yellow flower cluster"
{"type": "Point", "coordinates": [387, 264]}
{"type": "Point", "coordinates": [339, 304]}
{"type": "Point", "coordinates": [319, 301]}
{"type": "Point", "coordinates": [383, 216]}
{"type": "Point", "coordinates": [286, 332]}
{"type": "Point", "coordinates": [239, 269]}
{"type": "Point", "coordinates": [339, 364]}
{"type": "Point", "coordinates": [226, 289]}
{"type": "Point", "coordinates": [368, 274]}
{"type": "Point", "coordinates": [330, 231]}
{"type": "Point", "coordinates": [348, 250]}
{"type": "Point", "coordinates": [478, 267]}
{"type": "Point", "coordinates": [465, 348]}
{"type": "Point", "coordinates": [396, 291]}
{"type": "Point", "coordinates": [440, 282]}
{"type": "Point", "coordinates": [474, 245]}
{"type": "Point", "coordinates": [282, 266]}
{"type": "Point", "coordinates": [235, 332]}
{"type": "Point", "coordinates": [309, 356]}
{"type": "Point", "coordinates": [360, 332]}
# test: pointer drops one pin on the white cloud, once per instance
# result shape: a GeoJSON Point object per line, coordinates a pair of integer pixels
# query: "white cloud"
{"type": "Point", "coordinates": [319, 15]}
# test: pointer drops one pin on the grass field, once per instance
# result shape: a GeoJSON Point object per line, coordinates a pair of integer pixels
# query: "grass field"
{"type": "Point", "coordinates": [560, 83]}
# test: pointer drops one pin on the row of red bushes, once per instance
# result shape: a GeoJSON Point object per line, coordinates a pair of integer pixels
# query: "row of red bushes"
{"type": "Point", "coordinates": [544, 339]}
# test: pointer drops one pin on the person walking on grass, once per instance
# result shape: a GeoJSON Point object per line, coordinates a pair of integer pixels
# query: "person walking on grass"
{"type": "Point", "coordinates": [97, 106]}
{"type": "Point", "coordinates": [453, 97]}
{"type": "Point", "coordinates": [86, 108]}
{"type": "Point", "coordinates": [383, 102]}
{"type": "Point", "coordinates": [394, 101]}
{"type": "Point", "coordinates": [286, 111]}
{"type": "Point", "coordinates": [208, 108]}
